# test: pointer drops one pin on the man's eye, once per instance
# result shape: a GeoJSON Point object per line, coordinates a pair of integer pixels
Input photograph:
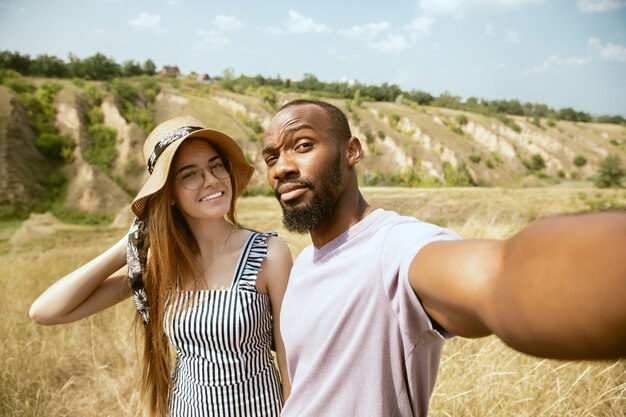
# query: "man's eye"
{"type": "Point", "coordinates": [304, 146]}
{"type": "Point", "coordinates": [269, 160]}
{"type": "Point", "coordinates": [217, 164]}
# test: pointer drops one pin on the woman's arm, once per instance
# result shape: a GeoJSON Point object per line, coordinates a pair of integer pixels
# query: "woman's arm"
{"type": "Point", "coordinates": [276, 268]}
{"type": "Point", "coordinates": [95, 286]}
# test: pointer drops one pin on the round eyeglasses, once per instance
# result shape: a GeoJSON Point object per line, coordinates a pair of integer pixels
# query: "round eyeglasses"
{"type": "Point", "coordinates": [192, 178]}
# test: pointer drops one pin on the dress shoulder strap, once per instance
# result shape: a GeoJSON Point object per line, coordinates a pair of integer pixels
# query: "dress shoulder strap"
{"type": "Point", "coordinates": [251, 261]}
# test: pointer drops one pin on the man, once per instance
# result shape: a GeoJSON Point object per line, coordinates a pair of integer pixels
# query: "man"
{"type": "Point", "coordinates": [371, 301]}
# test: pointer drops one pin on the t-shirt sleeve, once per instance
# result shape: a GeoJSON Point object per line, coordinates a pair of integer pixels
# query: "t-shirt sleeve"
{"type": "Point", "coordinates": [401, 245]}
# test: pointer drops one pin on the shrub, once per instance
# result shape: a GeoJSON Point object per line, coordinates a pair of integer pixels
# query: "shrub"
{"type": "Point", "coordinates": [103, 151]}
{"type": "Point", "coordinates": [510, 123]}
{"type": "Point", "coordinates": [457, 177]}
{"type": "Point", "coordinates": [462, 119]}
{"type": "Point", "coordinates": [8, 74]}
{"type": "Point", "coordinates": [54, 146]}
{"type": "Point", "coordinates": [19, 86]}
{"type": "Point", "coordinates": [580, 161]}
{"type": "Point", "coordinates": [456, 130]}
{"type": "Point", "coordinates": [536, 163]}
{"type": "Point", "coordinates": [475, 158]}
{"type": "Point", "coordinates": [268, 94]}
{"type": "Point", "coordinates": [610, 172]}
{"type": "Point", "coordinates": [94, 116]}
{"type": "Point", "coordinates": [394, 119]}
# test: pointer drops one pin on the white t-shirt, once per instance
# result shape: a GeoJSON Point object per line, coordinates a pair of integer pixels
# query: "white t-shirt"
{"type": "Point", "coordinates": [358, 341]}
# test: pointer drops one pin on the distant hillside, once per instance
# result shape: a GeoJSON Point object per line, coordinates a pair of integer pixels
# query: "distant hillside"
{"type": "Point", "coordinates": [76, 146]}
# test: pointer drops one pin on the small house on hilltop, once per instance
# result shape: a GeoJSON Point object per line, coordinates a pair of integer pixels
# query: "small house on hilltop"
{"type": "Point", "coordinates": [168, 71]}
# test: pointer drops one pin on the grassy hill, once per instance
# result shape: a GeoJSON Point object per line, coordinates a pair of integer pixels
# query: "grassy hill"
{"type": "Point", "coordinates": [90, 368]}
{"type": "Point", "coordinates": [97, 130]}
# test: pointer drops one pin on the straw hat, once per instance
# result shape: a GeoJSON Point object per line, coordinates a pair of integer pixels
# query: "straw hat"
{"type": "Point", "coordinates": [161, 145]}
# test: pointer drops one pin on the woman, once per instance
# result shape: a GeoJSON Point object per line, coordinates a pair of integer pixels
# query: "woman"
{"type": "Point", "coordinates": [199, 281]}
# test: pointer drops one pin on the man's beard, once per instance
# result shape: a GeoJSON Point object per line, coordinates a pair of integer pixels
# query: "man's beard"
{"type": "Point", "coordinates": [322, 205]}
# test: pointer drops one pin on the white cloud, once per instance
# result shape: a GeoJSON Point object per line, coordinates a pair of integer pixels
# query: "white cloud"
{"type": "Point", "coordinates": [488, 29]}
{"type": "Point", "coordinates": [609, 51]}
{"type": "Point", "coordinates": [558, 65]}
{"type": "Point", "coordinates": [512, 36]}
{"type": "Point", "coordinates": [459, 7]}
{"type": "Point", "coordinates": [227, 22]}
{"type": "Point", "coordinates": [601, 5]}
{"type": "Point", "coordinates": [174, 2]}
{"type": "Point", "coordinates": [300, 24]}
{"type": "Point", "coordinates": [420, 27]}
{"type": "Point", "coordinates": [368, 31]}
{"type": "Point", "coordinates": [211, 38]}
{"type": "Point", "coordinates": [392, 44]}
{"type": "Point", "coordinates": [147, 22]}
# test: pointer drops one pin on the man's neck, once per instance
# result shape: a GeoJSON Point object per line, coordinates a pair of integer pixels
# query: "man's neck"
{"type": "Point", "coordinates": [349, 211]}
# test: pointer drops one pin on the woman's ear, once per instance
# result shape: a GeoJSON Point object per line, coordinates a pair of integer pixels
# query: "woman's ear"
{"type": "Point", "coordinates": [354, 151]}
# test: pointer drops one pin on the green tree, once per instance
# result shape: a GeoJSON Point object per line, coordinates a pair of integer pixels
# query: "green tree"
{"type": "Point", "coordinates": [580, 161]}
{"type": "Point", "coordinates": [15, 61]}
{"type": "Point", "coordinates": [100, 67]}
{"type": "Point", "coordinates": [149, 68]}
{"type": "Point", "coordinates": [131, 68]}
{"type": "Point", "coordinates": [610, 172]}
{"type": "Point", "coordinates": [49, 66]}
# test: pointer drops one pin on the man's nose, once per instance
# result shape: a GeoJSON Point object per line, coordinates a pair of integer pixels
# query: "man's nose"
{"type": "Point", "coordinates": [285, 166]}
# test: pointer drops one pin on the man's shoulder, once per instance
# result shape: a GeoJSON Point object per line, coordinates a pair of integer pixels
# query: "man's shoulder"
{"type": "Point", "coordinates": [399, 223]}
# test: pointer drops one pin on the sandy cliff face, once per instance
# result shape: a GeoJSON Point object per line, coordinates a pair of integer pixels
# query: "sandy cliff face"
{"type": "Point", "coordinates": [23, 171]}
{"type": "Point", "coordinates": [89, 189]}
{"type": "Point", "coordinates": [396, 139]}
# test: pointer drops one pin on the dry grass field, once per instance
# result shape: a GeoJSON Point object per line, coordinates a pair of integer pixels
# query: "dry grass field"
{"type": "Point", "coordinates": [90, 368]}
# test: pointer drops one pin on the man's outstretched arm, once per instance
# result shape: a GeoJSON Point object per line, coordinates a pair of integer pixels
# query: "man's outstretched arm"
{"type": "Point", "coordinates": [556, 289]}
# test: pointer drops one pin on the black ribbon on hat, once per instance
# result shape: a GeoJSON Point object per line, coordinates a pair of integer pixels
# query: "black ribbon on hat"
{"type": "Point", "coordinates": [168, 140]}
{"type": "Point", "coordinates": [137, 248]}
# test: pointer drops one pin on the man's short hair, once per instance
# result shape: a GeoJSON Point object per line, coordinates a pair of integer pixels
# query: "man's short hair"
{"type": "Point", "coordinates": [338, 120]}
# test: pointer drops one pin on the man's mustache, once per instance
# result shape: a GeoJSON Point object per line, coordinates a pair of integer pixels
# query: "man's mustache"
{"type": "Point", "coordinates": [293, 181]}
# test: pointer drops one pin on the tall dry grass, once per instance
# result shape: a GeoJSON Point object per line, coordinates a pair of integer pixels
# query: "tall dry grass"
{"type": "Point", "coordinates": [90, 368]}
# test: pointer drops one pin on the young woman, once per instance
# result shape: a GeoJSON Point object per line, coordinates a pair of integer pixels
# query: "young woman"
{"type": "Point", "coordinates": [199, 280]}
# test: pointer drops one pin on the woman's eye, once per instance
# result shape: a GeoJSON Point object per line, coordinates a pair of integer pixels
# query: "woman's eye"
{"type": "Point", "coordinates": [189, 174]}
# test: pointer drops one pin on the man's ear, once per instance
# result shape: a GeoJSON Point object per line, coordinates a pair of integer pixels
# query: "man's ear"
{"type": "Point", "coordinates": [354, 151]}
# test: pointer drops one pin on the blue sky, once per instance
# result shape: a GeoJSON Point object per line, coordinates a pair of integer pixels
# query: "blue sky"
{"type": "Point", "coordinates": [563, 53]}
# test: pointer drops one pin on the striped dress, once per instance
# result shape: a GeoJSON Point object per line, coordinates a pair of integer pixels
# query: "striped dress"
{"type": "Point", "coordinates": [223, 338]}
